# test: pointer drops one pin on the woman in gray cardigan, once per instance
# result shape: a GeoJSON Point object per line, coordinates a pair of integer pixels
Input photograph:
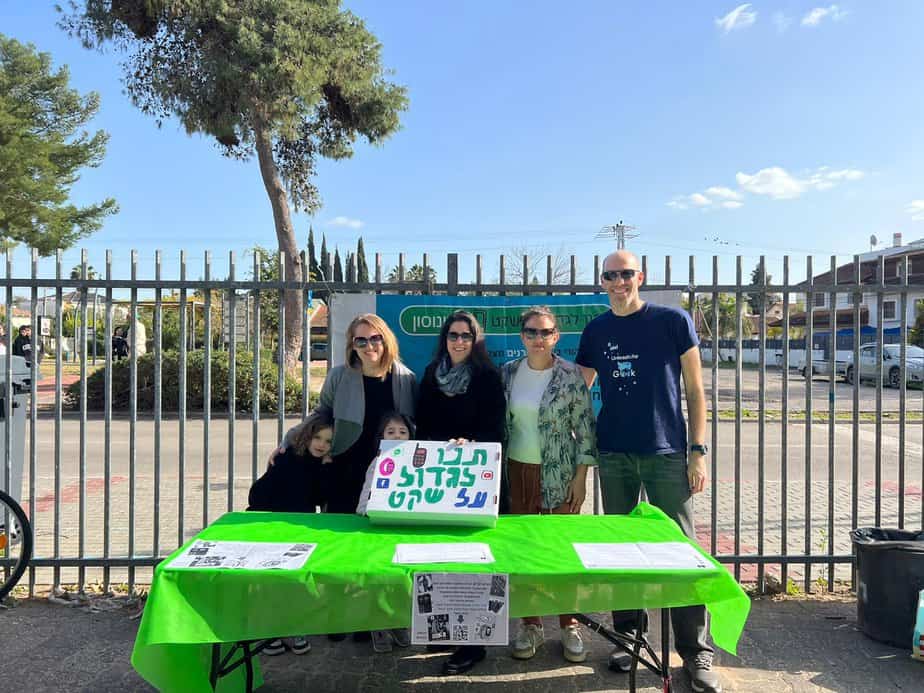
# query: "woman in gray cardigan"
{"type": "Point", "coordinates": [356, 396]}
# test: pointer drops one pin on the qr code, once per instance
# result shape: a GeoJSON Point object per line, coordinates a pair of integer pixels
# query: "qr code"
{"type": "Point", "coordinates": [460, 633]}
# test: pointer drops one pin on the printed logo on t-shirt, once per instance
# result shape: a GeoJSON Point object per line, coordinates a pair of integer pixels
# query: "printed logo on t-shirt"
{"type": "Point", "coordinates": [623, 367]}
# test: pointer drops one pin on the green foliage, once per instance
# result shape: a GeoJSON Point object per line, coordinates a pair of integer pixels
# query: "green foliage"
{"type": "Point", "coordinates": [362, 267]}
{"type": "Point", "coordinates": [43, 147]}
{"type": "Point", "coordinates": [338, 268]}
{"type": "Point", "coordinates": [727, 317]}
{"type": "Point", "coordinates": [121, 391]}
{"type": "Point", "coordinates": [307, 74]}
{"type": "Point", "coordinates": [917, 330]}
{"type": "Point", "coordinates": [414, 273]}
{"type": "Point", "coordinates": [756, 304]}
{"type": "Point", "coordinates": [325, 259]}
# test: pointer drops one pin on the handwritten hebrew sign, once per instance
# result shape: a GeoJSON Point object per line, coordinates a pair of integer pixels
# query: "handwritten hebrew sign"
{"type": "Point", "coordinates": [428, 482]}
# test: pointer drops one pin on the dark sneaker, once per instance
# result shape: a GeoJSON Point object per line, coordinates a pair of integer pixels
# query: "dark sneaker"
{"type": "Point", "coordinates": [703, 679]}
{"type": "Point", "coordinates": [300, 645]}
{"type": "Point", "coordinates": [336, 637]}
{"type": "Point", "coordinates": [463, 659]}
{"type": "Point", "coordinates": [401, 636]}
{"type": "Point", "coordinates": [381, 641]}
{"type": "Point", "coordinates": [620, 661]}
{"type": "Point", "coordinates": [274, 648]}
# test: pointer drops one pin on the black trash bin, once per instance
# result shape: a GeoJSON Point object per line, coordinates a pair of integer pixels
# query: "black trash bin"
{"type": "Point", "coordinates": [890, 573]}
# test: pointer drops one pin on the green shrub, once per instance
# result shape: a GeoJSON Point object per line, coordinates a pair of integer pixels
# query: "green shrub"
{"type": "Point", "coordinates": [121, 384]}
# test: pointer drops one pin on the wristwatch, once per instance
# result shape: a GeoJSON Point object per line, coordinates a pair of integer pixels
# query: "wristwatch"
{"type": "Point", "coordinates": [701, 449]}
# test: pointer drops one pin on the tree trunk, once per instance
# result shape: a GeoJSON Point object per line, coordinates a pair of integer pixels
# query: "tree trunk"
{"type": "Point", "coordinates": [285, 236]}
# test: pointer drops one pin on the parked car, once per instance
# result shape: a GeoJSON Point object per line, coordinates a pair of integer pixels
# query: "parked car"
{"type": "Point", "coordinates": [823, 367]}
{"type": "Point", "coordinates": [892, 368]}
{"type": "Point", "coordinates": [318, 351]}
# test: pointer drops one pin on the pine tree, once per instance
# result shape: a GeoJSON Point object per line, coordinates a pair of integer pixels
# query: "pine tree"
{"type": "Point", "coordinates": [362, 268]}
{"type": "Point", "coordinates": [314, 273]}
{"type": "Point", "coordinates": [349, 267]}
{"type": "Point", "coordinates": [338, 269]}
{"type": "Point", "coordinates": [325, 258]}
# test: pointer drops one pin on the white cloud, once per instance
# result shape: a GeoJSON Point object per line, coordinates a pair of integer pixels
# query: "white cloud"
{"type": "Point", "coordinates": [777, 183]}
{"type": "Point", "coordinates": [781, 21]}
{"type": "Point", "coordinates": [739, 18]}
{"type": "Point", "coordinates": [818, 14]}
{"type": "Point", "coordinates": [774, 182]}
{"type": "Point", "coordinates": [916, 210]}
{"type": "Point", "coordinates": [346, 222]}
{"type": "Point", "coordinates": [723, 193]}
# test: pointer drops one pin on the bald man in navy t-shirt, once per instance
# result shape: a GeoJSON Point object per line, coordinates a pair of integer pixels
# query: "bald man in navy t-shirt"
{"type": "Point", "coordinates": [640, 352]}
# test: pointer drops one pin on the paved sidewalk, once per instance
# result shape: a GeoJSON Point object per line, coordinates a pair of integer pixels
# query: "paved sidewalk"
{"type": "Point", "coordinates": [789, 644]}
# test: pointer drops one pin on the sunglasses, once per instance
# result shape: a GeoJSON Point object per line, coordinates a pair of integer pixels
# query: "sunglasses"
{"type": "Point", "coordinates": [625, 275]}
{"type": "Point", "coordinates": [464, 336]}
{"type": "Point", "coordinates": [363, 342]}
{"type": "Point", "coordinates": [533, 333]}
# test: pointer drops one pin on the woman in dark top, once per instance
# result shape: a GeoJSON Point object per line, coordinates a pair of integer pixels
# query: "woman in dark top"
{"type": "Point", "coordinates": [462, 399]}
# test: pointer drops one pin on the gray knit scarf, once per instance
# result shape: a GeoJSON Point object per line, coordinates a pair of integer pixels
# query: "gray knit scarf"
{"type": "Point", "coordinates": [453, 380]}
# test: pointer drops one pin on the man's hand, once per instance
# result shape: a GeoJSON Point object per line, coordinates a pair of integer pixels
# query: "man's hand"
{"type": "Point", "coordinates": [696, 472]}
{"type": "Point", "coordinates": [577, 490]}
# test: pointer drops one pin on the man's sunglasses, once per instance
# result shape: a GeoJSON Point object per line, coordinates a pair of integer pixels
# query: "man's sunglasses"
{"type": "Point", "coordinates": [363, 342]}
{"type": "Point", "coordinates": [464, 336]}
{"type": "Point", "coordinates": [533, 333]}
{"type": "Point", "coordinates": [625, 275]}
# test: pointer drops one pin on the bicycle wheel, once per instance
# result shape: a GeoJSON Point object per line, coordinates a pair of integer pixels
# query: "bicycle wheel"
{"type": "Point", "coordinates": [15, 543]}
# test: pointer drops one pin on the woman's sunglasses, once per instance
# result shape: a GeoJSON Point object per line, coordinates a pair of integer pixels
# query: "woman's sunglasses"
{"type": "Point", "coordinates": [533, 333]}
{"type": "Point", "coordinates": [363, 342]}
{"type": "Point", "coordinates": [625, 275]}
{"type": "Point", "coordinates": [464, 336]}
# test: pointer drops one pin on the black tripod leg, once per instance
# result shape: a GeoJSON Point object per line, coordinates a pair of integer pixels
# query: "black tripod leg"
{"type": "Point", "coordinates": [666, 651]}
{"type": "Point", "coordinates": [248, 663]}
{"type": "Point", "coordinates": [216, 665]}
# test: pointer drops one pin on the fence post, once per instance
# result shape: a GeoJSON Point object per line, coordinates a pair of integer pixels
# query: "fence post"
{"type": "Point", "coordinates": [452, 274]}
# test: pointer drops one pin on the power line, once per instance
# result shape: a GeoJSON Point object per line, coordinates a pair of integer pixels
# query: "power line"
{"type": "Point", "coordinates": [618, 231]}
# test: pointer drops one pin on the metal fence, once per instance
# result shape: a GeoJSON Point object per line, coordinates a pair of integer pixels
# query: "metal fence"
{"type": "Point", "coordinates": [111, 493]}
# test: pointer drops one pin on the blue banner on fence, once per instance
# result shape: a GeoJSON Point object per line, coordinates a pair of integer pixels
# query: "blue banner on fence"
{"type": "Point", "coordinates": [416, 321]}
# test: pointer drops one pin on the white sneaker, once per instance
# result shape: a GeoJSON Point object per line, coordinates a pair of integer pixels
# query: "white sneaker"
{"type": "Point", "coordinates": [529, 637]}
{"type": "Point", "coordinates": [299, 644]}
{"type": "Point", "coordinates": [572, 643]}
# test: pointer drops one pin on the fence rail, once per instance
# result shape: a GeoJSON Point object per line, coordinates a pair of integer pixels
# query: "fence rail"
{"type": "Point", "coordinates": [110, 495]}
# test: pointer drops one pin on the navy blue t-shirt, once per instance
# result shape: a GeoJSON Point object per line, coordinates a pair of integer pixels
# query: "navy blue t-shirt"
{"type": "Point", "coordinates": [637, 359]}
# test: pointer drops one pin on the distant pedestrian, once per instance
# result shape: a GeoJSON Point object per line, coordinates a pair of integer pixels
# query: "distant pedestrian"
{"type": "Point", "coordinates": [120, 348]}
{"type": "Point", "coordinates": [22, 346]}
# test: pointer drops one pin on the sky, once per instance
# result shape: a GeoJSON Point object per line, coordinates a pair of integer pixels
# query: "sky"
{"type": "Point", "coordinates": [714, 128]}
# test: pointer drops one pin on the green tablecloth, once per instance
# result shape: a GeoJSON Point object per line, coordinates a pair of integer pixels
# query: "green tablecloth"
{"type": "Point", "coordinates": [350, 584]}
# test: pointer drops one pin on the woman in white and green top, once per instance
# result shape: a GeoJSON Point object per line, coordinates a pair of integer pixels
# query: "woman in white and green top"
{"type": "Point", "coordinates": [551, 441]}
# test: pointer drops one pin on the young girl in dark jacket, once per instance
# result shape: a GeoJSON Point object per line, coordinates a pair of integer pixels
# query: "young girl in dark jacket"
{"type": "Point", "coordinates": [294, 483]}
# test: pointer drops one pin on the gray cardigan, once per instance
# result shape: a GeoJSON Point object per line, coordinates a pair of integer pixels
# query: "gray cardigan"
{"type": "Point", "coordinates": [343, 400]}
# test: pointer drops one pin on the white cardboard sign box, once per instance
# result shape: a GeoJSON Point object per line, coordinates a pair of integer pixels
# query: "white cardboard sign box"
{"type": "Point", "coordinates": [430, 482]}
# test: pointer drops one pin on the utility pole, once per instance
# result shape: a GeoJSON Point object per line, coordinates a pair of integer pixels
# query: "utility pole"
{"type": "Point", "coordinates": [618, 231]}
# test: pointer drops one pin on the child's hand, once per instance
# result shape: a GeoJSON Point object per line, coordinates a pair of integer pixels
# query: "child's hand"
{"type": "Point", "coordinates": [274, 454]}
{"type": "Point", "coordinates": [327, 459]}
{"type": "Point", "coordinates": [458, 441]}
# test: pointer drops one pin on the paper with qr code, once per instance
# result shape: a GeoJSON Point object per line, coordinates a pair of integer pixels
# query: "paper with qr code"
{"type": "Point", "coordinates": [243, 555]}
{"type": "Point", "coordinates": [459, 609]}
